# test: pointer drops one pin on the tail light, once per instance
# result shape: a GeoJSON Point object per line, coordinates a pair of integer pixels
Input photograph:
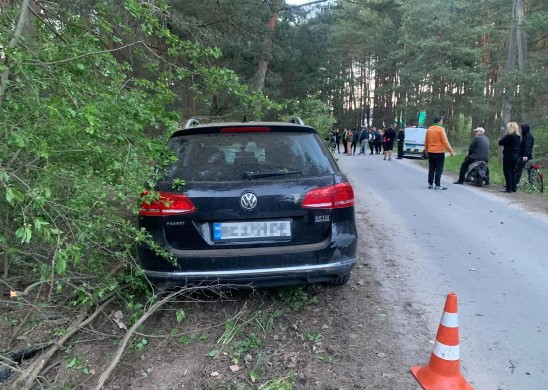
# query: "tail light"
{"type": "Point", "coordinates": [332, 197]}
{"type": "Point", "coordinates": [166, 204]}
{"type": "Point", "coordinates": [536, 166]}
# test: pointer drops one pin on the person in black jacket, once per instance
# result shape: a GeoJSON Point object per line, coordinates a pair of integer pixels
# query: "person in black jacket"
{"type": "Point", "coordinates": [401, 140]}
{"type": "Point", "coordinates": [338, 140]}
{"type": "Point", "coordinates": [389, 138]}
{"type": "Point", "coordinates": [525, 152]}
{"type": "Point", "coordinates": [354, 140]}
{"type": "Point", "coordinates": [511, 143]}
{"type": "Point", "coordinates": [477, 151]}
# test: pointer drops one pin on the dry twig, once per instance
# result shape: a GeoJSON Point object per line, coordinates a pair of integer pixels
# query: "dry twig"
{"type": "Point", "coordinates": [27, 378]}
{"type": "Point", "coordinates": [105, 375]}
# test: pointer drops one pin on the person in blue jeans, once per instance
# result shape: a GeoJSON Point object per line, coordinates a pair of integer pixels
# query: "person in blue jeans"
{"type": "Point", "coordinates": [363, 141]}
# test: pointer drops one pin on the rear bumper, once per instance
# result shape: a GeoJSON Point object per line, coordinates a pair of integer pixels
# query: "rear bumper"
{"type": "Point", "coordinates": [414, 152]}
{"type": "Point", "coordinates": [263, 277]}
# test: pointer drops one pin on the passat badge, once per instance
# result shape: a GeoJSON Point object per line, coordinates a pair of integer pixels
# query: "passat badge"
{"type": "Point", "coordinates": [248, 201]}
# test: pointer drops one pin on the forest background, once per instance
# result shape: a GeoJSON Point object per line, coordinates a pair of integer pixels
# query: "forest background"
{"type": "Point", "coordinates": [90, 91]}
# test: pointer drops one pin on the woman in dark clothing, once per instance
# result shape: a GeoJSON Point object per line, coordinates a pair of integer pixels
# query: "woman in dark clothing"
{"type": "Point", "coordinates": [510, 142]}
{"type": "Point", "coordinates": [389, 136]}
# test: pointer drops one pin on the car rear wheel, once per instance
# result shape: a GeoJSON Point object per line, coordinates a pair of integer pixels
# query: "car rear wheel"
{"type": "Point", "coordinates": [339, 281]}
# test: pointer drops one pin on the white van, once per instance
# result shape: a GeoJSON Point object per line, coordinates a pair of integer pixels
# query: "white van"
{"type": "Point", "coordinates": [414, 142]}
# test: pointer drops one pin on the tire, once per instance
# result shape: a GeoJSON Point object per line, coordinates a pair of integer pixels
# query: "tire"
{"type": "Point", "coordinates": [524, 183]}
{"type": "Point", "coordinates": [479, 181]}
{"type": "Point", "coordinates": [536, 180]}
{"type": "Point", "coordinates": [339, 281]}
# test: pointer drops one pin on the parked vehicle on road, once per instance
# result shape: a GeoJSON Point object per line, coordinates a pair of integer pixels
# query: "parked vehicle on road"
{"type": "Point", "coordinates": [414, 142]}
{"type": "Point", "coordinates": [249, 203]}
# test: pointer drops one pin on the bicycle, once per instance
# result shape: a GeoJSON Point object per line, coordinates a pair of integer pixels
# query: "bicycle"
{"type": "Point", "coordinates": [531, 179]}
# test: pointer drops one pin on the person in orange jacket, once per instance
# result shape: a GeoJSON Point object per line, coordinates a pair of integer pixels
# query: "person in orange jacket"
{"type": "Point", "coordinates": [435, 144]}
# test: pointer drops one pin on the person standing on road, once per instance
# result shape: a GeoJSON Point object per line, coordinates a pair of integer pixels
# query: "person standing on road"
{"type": "Point", "coordinates": [511, 142]}
{"type": "Point", "coordinates": [389, 136]}
{"type": "Point", "coordinates": [337, 139]}
{"type": "Point", "coordinates": [435, 144]}
{"type": "Point", "coordinates": [371, 140]}
{"type": "Point", "coordinates": [378, 141]}
{"type": "Point", "coordinates": [363, 141]}
{"type": "Point", "coordinates": [401, 140]}
{"type": "Point", "coordinates": [477, 151]}
{"type": "Point", "coordinates": [344, 138]}
{"type": "Point", "coordinates": [354, 140]}
{"type": "Point", "coordinates": [525, 150]}
{"type": "Point", "coordinates": [349, 141]}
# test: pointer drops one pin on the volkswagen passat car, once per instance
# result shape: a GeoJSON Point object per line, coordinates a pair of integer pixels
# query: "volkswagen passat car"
{"type": "Point", "coordinates": [262, 204]}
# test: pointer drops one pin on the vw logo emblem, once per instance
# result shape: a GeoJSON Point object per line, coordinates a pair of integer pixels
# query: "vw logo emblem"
{"type": "Point", "coordinates": [248, 201]}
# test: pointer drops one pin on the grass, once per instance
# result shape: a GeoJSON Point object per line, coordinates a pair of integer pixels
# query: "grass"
{"type": "Point", "coordinates": [247, 341]}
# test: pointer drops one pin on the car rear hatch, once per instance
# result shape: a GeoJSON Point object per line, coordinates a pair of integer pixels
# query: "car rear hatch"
{"type": "Point", "coordinates": [239, 190]}
{"type": "Point", "coordinates": [237, 215]}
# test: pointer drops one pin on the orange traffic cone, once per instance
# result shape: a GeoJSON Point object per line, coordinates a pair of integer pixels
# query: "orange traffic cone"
{"type": "Point", "coordinates": [443, 370]}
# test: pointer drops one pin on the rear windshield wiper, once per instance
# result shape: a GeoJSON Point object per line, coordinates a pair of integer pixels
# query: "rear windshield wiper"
{"type": "Point", "coordinates": [282, 172]}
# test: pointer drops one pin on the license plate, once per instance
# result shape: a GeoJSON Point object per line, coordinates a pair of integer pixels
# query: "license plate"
{"type": "Point", "coordinates": [251, 230]}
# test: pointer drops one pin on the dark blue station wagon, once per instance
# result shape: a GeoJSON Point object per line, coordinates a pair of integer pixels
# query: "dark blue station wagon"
{"type": "Point", "coordinates": [258, 204]}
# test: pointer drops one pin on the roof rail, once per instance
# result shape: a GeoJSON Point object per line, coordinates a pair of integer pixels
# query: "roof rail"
{"type": "Point", "coordinates": [191, 123]}
{"type": "Point", "coordinates": [296, 119]}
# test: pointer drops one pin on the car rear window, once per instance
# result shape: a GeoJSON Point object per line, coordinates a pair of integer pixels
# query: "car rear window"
{"type": "Point", "coordinates": [248, 156]}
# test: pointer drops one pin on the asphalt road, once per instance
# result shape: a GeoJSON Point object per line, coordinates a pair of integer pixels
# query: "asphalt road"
{"type": "Point", "coordinates": [493, 255]}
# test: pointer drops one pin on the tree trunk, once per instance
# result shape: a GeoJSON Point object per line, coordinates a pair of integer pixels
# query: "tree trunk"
{"type": "Point", "coordinates": [267, 52]}
{"type": "Point", "coordinates": [516, 51]}
{"type": "Point", "coordinates": [12, 43]}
